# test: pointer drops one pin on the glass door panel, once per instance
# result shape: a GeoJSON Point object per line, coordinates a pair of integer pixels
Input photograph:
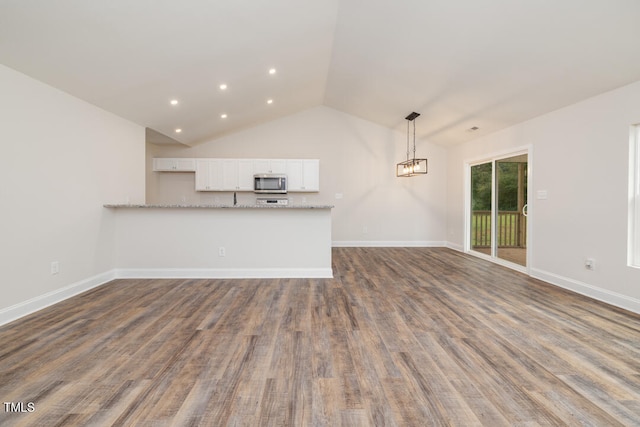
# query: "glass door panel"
{"type": "Point", "coordinates": [481, 199]}
{"type": "Point", "coordinates": [511, 209]}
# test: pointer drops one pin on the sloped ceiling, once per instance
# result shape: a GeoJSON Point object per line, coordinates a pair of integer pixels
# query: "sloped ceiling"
{"type": "Point", "coordinates": [460, 63]}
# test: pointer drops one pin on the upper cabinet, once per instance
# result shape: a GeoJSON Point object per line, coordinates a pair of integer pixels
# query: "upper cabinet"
{"type": "Point", "coordinates": [224, 175]}
{"type": "Point", "coordinates": [237, 174]}
{"type": "Point", "coordinates": [269, 166]}
{"type": "Point", "coordinates": [174, 165]}
{"type": "Point", "coordinates": [209, 175]}
{"type": "Point", "coordinates": [303, 175]}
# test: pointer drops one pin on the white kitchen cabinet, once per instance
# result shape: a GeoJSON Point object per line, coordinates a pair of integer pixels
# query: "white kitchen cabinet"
{"type": "Point", "coordinates": [269, 166]}
{"type": "Point", "coordinates": [261, 166]}
{"type": "Point", "coordinates": [209, 175]}
{"type": "Point", "coordinates": [224, 175]}
{"type": "Point", "coordinates": [174, 165]}
{"type": "Point", "coordinates": [229, 174]}
{"type": "Point", "coordinates": [303, 175]}
{"type": "Point", "coordinates": [237, 175]}
{"type": "Point", "coordinates": [245, 175]}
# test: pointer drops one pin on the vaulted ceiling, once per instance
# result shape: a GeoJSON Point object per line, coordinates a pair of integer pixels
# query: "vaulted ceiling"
{"type": "Point", "coordinates": [460, 63]}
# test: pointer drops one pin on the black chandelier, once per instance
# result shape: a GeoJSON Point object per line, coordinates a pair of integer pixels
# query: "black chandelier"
{"type": "Point", "coordinates": [412, 166]}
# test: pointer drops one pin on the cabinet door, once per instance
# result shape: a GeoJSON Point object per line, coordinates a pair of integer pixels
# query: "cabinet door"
{"type": "Point", "coordinates": [208, 175]}
{"type": "Point", "coordinates": [185, 165]}
{"type": "Point", "coordinates": [237, 175]}
{"type": "Point", "coordinates": [174, 165]}
{"type": "Point", "coordinates": [311, 175]}
{"type": "Point", "coordinates": [303, 175]}
{"type": "Point", "coordinates": [202, 174]}
{"type": "Point", "coordinates": [295, 175]}
{"type": "Point", "coordinates": [229, 175]}
{"type": "Point", "coordinates": [278, 166]}
{"type": "Point", "coordinates": [261, 166]}
{"type": "Point", "coordinates": [161, 165]}
{"type": "Point", "coordinates": [245, 175]}
{"type": "Point", "coordinates": [269, 166]}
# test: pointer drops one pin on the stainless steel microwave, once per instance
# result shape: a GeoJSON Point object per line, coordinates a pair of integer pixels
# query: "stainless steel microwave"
{"type": "Point", "coordinates": [273, 183]}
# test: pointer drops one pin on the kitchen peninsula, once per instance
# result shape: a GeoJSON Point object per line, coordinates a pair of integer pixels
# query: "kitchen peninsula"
{"type": "Point", "coordinates": [222, 241]}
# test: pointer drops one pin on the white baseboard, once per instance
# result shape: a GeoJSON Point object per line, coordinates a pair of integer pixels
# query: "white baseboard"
{"type": "Point", "coordinates": [609, 297]}
{"type": "Point", "coordinates": [613, 298]}
{"type": "Point", "coordinates": [454, 246]}
{"type": "Point", "coordinates": [387, 244]}
{"type": "Point", "coordinates": [24, 308]}
{"type": "Point", "coordinates": [223, 273]}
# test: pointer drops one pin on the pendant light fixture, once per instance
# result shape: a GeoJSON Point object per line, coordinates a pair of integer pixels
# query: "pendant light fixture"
{"type": "Point", "coordinates": [412, 166]}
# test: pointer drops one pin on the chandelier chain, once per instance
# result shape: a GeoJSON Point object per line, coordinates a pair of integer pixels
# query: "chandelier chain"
{"type": "Point", "coordinates": [414, 140]}
{"type": "Point", "coordinates": [407, 140]}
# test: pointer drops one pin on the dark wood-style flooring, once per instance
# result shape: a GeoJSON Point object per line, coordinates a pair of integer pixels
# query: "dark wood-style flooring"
{"type": "Point", "coordinates": [405, 337]}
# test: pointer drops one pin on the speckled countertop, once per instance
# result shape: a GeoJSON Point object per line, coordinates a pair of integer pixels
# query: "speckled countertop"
{"type": "Point", "coordinates": [220, 206]}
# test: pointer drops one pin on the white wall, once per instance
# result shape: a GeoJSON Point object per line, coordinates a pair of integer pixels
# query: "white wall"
{"type": "Point", "coordinates": [581, 157]}
{"type": "Point", "coordinates": [357, 159]}
{"type": "Point", "coordinates": [62, 158]}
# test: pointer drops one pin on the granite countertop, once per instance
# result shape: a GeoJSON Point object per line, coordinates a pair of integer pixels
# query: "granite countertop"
{"type": "Point", "coordinates": [220, 206]}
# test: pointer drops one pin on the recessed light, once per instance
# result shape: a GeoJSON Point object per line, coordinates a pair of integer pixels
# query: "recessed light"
{"type": "Point", "coordinates": [269, 101]}
{"type": "Point", "coordinates": [272, 71]}
{"type": "Point", "coordinates": [223, 115]}
{"type": "Point", "coordinates": [178, 130]}
{"type": "Point", "coordinates": [223, 86]}
{"type": "Point", "coordinates": [174, 102]}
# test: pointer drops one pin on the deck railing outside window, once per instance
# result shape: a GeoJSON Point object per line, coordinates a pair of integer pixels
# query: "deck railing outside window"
{"type": "Point", "coordinates": [512, 227]}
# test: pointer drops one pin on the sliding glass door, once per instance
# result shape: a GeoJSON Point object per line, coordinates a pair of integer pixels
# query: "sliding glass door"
{"type": "Point", "coordinates": [498, 204]}
{"type": "Point", "coordinates": [511, 202]}
{"type": "Point", "coordinates": [481, 212]}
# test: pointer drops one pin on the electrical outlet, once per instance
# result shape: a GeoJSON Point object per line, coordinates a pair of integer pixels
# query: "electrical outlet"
{"type": "Point", "coordinates": [590, 264]}
{"type": "Point", "coordinates": [222, 251]}
{"type": "Point", "coordinates": [365, 229]}
{"type": "Point", "coordinates": [55, 267]}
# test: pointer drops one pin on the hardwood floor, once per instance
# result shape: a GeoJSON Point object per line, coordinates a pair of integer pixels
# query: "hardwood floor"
{"type": "Point", "coordinates": [514, 255]}
{"type": "Point", "coordinates": [419, 336]}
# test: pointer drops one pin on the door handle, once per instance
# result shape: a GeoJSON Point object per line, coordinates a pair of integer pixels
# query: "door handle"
{"type": "Point", "coordinates": [525, 210]}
